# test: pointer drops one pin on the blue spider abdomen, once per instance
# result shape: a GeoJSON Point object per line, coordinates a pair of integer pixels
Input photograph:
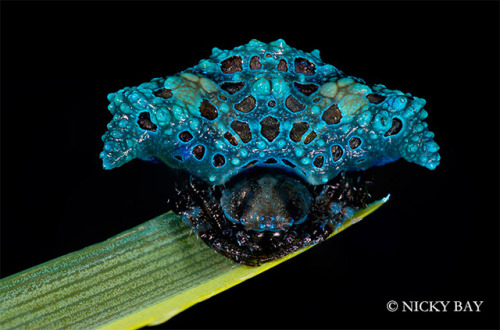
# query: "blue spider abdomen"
{"type": "Point", "coordinates": [267, 105]}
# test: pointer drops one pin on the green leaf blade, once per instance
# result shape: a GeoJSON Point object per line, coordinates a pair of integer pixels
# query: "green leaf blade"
{"type": "Point", "coordinates": [143, 276]}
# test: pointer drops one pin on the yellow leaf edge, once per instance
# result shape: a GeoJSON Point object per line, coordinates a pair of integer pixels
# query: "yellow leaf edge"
{"type": "Point", "coordinates": [163, 311]}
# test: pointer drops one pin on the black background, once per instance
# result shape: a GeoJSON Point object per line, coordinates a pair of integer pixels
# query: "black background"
{"type": "Point", "coordinates": [436, 239]}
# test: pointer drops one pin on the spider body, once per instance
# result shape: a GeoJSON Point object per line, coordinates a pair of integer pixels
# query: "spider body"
{"type": "Point", "coordinates": [267, 131]}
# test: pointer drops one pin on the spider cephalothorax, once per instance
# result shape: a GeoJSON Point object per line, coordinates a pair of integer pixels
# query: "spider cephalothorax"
{"type": "Point", "coordinates": [262, 215]}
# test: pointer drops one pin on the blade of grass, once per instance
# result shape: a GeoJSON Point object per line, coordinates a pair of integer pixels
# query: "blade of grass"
{"type": "Point", "coordinates": [143, 276]}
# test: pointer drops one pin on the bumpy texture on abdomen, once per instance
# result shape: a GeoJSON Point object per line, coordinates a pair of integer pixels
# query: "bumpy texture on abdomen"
{"type": "Point", "coordinates": [266, 105]}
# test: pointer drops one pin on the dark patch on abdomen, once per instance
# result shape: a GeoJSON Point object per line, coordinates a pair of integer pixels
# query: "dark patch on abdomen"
{"type": "Point", "coordinates": [270, 128]}
{"type": "Point", "coordinates": [242, 129]}
{"type": "Point", "coordinates": [145, 123]}
{"type": "Point", "coordinates": [298, 130]}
